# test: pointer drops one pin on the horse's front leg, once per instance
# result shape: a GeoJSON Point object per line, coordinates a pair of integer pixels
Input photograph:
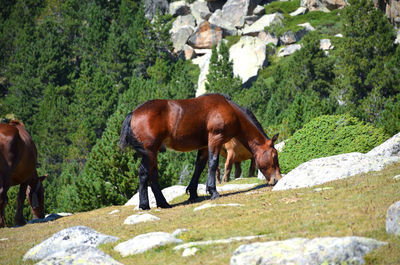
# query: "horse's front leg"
{"type": "Point", "coordinates": [213, 159]}
{"type": "Point", "coordinates": [201, 162]}
{"type": "Point", "coordinates": [19, 217]}
{"type": "Point", "coordinates": [252, 168]}
{"type": "Point", "coordinates": [238, 170]}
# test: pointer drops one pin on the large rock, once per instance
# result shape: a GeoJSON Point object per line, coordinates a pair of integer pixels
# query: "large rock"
{"type": "Point", "coordinates": [232, 13]}
{"type": "Point", "coordinates": [218, 20]}
{"type": "Point", "coordinates": [248, 56]}
{"type": "Point", "coordinates": [288, 50]}
{"type": "Point", "coordinates": [144, 242]}
{"type": "Point", "coordinates": [182, 21]}
{"type": "Point", "coordinates": [200, 11]}
{"type": "Point", "coordinates": [63, 240]}
{"type": "Point", "coordinates": [264, 21]}
{"type": "Point", "coordinates": [323, 5]}
{"type": "Point", "coordinates": [85, 255]}
{"type": "Point", "coordinates": [321, 170]}
{"type": "Point", "coordinates": [205, 36]}
{"type": "Point", "coordinates": [393, 219]}
{"type": "Point", "coordinates": [268, 38]}
{"type": "Point", "coordinates": [151, 7]}
{"type": "Point", "coordinates": [391, 8]}
{"type": "Point", "coordinates": [180, 37]}
{"type": "Point", "coordinates": [302, 251]}
{"type": "Point", "coordinates": [179, 8]}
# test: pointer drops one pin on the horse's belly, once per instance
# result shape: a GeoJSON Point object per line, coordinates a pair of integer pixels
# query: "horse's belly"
{"type": "Point", "coordinates": [184, 144]}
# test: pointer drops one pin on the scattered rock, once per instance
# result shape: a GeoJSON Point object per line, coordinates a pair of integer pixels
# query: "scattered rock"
{"type": "Point", "coordinates": [200, 11]}
{"type": "Point", "coordinates": [235, 187]}
{"type": "Point", "coordinates": [211, 205]}
{"type": "Point", "coordinates": [397, 40]}
{"type": "Point", "coordinates": [206, 36]}
{"type": "Point", "coordinates": [339, 35]}
{"type": "Point", "coordinates": [180, 37]}
{"type": "Point", "coordinates": [264, 21]}
{"type": "Point", "coordinates": [87, 255]}
{"type": "Point", "coordinates": [144, 242]}
{"type": "Point", "coordinates": [326, 250]}
{"type": "Point", "coordinates": [268, 38]}
{"type": "Point", "coordinates": [182, 21]}
{"type": "Point", "coordinates": [179, 231]}
{"type": "Point", "coordinates": [290, 37]}
{"type": "Point", "coordinates": [218, 241]}
{"type": "Point", "coordinates": [396, 177]}
{"type": "Point", "coordinates": [288, 50]}
{"type": "Point", "coordinates": [179, 8]}
{"type": "Point", "coordinates": [189, 252]}
{"type": "Point", "coordinates": [300, 11]}
{"type": "Point", "coordinates": [307, 26]}
{"type": "Point", "coordinates": [325, 44]}
{"type": "Point", "coordinates": [279, 147]}
{"type": "Point", "coordinates": [393, 219]}
{"type": "Point", "coordinates": [323, 5]}
{"type": "Point", "coordinates": [114, 211]}
{"type": "Point", "coordinates": [248, 56]}
{"type": "Point", "coordinates": [259, 10]}
{"type": "Point", "coordinates": [322, 189]}
{"type": "Point", "coordinates": [68, 238]}
{"type": "Point", "coordinates": [140, 218]}
{"type": "Point", "coordinates": [4, 239]}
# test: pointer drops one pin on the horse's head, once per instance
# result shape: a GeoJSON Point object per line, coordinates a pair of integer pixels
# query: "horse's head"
{"type": "Point", "coordinates": [267, 161]}
{"type": "Point", "coordinates": [36, 198]}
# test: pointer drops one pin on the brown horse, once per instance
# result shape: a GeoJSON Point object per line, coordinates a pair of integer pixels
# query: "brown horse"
{"type": "Point", "coordinates": [204, 123]}
{"type": "Point", "coordinates": [18, 167]}
{"type": "Point", "coordinates": [235, 153]}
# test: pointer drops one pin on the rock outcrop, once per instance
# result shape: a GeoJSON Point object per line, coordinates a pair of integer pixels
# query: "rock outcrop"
{"type": "Point", "coordinates": [302, 251]}
{"type": "Point", "coordinates": [323, 5]}
{"type": "Point", "coordinates": [76, 238]}
{"type": "Point", "coordinates": [205, 36]}
{"type": "Point", "coordinates": [322, 170]}
{"type": "Point", "coordinates": [248, 56]}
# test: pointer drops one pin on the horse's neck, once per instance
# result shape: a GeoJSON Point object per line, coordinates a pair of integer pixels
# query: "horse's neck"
{"type": "Point", "coordinates": [251, 137]}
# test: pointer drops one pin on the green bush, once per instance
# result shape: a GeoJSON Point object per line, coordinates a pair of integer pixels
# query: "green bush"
{"type": "Point", "coordinates": [329, 135]}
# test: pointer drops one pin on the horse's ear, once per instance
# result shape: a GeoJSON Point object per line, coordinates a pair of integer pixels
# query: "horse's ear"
{"type": "Point", "coordinates": [41, 178]}
{"type": "Point", "coordinates": [274, 138]}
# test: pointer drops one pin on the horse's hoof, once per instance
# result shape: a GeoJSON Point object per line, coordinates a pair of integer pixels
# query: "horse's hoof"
{"type": "Point", "coordinates": [214, 196]}
{"type": "Point", "coordinates": [144, 207]}
{"type": "Point", "coordinates": [166, 205]}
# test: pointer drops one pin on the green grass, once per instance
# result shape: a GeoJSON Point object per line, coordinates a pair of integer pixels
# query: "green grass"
{"type": "Point", "coordinates": [354, 206]}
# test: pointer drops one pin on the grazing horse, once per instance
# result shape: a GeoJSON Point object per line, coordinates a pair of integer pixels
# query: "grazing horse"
{"type": "Point", "coordinates": [235, 153]}
{"type": "Point", "coordinates": [204, 123]}
{"type": "Point", "coordinates": [18, 157]}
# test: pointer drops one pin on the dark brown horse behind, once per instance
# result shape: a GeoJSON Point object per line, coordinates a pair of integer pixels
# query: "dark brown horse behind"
{"type": "Point", "coordinates": [204, 123]}
{"type": "Point", "coordinates": [18, 167]}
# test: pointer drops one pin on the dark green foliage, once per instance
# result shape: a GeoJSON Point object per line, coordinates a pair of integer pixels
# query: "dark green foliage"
{"type": "Point", "coordinates": [220, 78]}
{"type": "Point", "coordinates": [329, 135]}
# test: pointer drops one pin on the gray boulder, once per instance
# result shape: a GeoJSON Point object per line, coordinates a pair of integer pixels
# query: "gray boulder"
{"type": "Point", "coordinates": [180, 37]}
{"type": "Point", "coordinates": [321, 170]}
{"type": "Point", "coordinates": [248, 56]}
{"type": "Point", "coordinates": [325, 44]}
{"type": "Point", "coordinates": [234, 12]}
{"type": "Point", "coordinates": [144, 242]}
{"type": "Point", "coordinates": [152, 6]}
{"type": "Point", "coordinates": [179, 8]}
{"type": "Point", "coordinates": [217, 19]}
{"type": "Point", "coordinates": [300, 11]}
{"type": "Point", "coordinates": [81, 255]}
{"type": "Point", "coordinates": [268, 38]}
{"type": "Point", "coordinates": [264, 21]}
{"type": "Point", "coordinates": [200, 11]}
{"type": "Point", "coordinates": [182, 21]}
{"type": "Point", "coordinates": [393, 219]}
{"type": "Point", "coordinates": [288, 50]}
{"type": "Point", "coordinates": [302, 251]}
{"type": "Point", "coordinates": [76, 236]}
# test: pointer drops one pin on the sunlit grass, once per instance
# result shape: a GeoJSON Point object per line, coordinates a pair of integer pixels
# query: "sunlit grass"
{"type": "Point", "coordinates": [354, 206]}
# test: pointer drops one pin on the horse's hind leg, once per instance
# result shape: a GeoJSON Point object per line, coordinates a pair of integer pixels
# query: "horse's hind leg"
{"type": "Point", "coordinates": [19, 217]}
{"type": "Point", "coordinates": [228, 167]}
{"type": "Point", "coordinates": [201, 162]}
{"type": "Point", "coordinates": [155, 187]}
{"type": "Point", "coordinates": [238, 170]}
{"type": "Point", "coordinates": [213, 159]}
{"type": "Point", "coordinates": [143, 183]}
{"type": "Point", "coordinates": [3, 202]}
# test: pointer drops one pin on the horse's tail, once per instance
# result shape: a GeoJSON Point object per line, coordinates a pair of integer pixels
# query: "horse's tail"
{"type": "Point", "coordinates": [127, 138]}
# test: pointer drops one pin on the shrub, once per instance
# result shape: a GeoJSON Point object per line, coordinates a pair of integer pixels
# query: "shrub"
{"type": "Point", "coordinates": [329, 135]}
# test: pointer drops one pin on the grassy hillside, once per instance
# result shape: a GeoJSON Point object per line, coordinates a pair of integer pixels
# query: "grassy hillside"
{"type": "Point", "coordinates": [354, 206]}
